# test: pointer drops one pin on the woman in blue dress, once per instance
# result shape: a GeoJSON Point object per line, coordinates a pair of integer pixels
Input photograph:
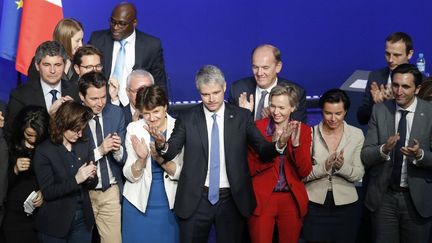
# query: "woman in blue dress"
{"type": "Point", "coordinates": [151, 184]}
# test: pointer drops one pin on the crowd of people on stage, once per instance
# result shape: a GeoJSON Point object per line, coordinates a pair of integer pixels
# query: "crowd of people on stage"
{"type": "Point", "coordinates": [90, 151]}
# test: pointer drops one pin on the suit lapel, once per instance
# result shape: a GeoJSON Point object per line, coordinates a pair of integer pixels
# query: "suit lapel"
{"type": "Point", "coordinates": [139, 50]}
{"type": "Point", "coordinates": [108, 53]}
{"type": "Point", "coordinates": [106, 123]}
{"type": "Point", "coordinates": [39, 95]}
{"type": "Point", "coordinates": [418, 121]}
{"type": "Point", "coordinates": [201, 124]}
{"type": "Point", "coordinates": [228, 128]}
{"type": "Point", "coordinates": [390, 118]}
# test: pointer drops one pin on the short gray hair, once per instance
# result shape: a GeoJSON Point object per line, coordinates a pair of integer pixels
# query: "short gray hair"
{"type": "Point", "coordinates": [139, 72]}
{"type": "Point", "coordinates": [52, 49]}
{"type": "Point", "coordinates": [209, 74]}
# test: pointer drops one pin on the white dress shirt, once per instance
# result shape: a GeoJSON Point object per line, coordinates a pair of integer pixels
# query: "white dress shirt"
{"type": "Point", "coordinates": [117, 155]}
{"type": "Point", "coordinates": [223, 181]}
{"type": "Point", "coordinates": [47, 95]}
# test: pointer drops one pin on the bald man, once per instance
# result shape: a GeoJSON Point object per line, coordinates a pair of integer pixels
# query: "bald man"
{"type": "Point", "coordinates": [266, 65]}
{"type": "Point", "coordinates": [125, 49]}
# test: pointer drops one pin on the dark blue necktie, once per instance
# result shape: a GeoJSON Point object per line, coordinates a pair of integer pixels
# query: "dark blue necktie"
{"type": "Point", "coordinates": [53, 92]}
{"type": "Point", "coordinates": [398, 158]}
{"type": "Point", "coordinates": [102, 162]}
{"type": "Point", "coordinates": [214, 176]}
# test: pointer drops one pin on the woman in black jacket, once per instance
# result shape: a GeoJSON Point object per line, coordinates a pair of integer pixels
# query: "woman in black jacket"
{"type": "Point", "coordinates": [65, 171]}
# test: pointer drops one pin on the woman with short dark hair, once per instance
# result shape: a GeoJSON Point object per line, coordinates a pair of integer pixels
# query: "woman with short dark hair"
{"type": "Point", "coordinates": [65, 171]}
{"type": "Point", "coordinates": [151, 184]}
{"type": "Point", "coordinates": [332, 213]}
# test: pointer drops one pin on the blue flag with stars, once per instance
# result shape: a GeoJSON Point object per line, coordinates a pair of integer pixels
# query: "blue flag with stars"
{"type": "Point", "coordinates": [9, 28]}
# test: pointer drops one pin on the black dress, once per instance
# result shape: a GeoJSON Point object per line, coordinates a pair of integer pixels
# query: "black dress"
{"type": "Point", "coordinates": [17, 226]}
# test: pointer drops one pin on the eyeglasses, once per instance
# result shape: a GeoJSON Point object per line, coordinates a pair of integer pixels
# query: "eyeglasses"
{"type": "Point", "coordinates": [90, 68]}
{"type": "Point", "coordinates": [121, 24]}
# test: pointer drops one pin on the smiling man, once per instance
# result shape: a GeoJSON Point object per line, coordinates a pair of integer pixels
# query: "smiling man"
{"type": "Point", "coordinates": [107, 131]}
{"type": "Point", "coordinates": [50, 59]}
{"type": "Point", "coordinates": [398, 154]}
{"type": "Point", "coordinates": [266, 65]}
{"type": "Point", "coordinates": [125, 49]}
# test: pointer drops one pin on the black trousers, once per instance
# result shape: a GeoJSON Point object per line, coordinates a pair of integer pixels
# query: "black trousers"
{"type": "Point", "coordinates": [224, 215]}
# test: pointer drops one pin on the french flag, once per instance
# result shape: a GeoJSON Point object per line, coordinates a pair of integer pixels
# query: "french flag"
{"type": "Point", "coordinates": [38, 20]}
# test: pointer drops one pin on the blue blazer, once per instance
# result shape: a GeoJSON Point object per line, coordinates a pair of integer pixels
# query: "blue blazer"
{"type": "Point", "coordinates": [113, 121]}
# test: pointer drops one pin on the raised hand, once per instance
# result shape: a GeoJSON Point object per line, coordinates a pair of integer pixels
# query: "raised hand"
{"type": "Point", "coordinates": [54, 107]}
{"type": "Point", "coordinates": [38, 200]}
{"type": "Point", "coordinates": [155, 155]}
{"type": "Point", "coordinates": [339, 160]}
{"type": "Point", "coordinates": [2, 120]}
{"type": "Point", "coordinates": [84, 172]}
{"type": "Point", "coordinates": [139, 147]}
{"type": "Point", "coordinates": [112, 142]}
{"type": "Point", "coordinates": [294, 127]}
{"type": "Point", "coordinates": [113, 89]}
{"type": "Point", "coordinates": [391, 143]}
{"type": "Point", "coordinates": [245, 103]}
{"type": "Point", "coordinates": [413, 150]}
{"type": "Point", "coordinates": [22, 164]}
{"type": "Point", "coordinates": [330, 161]}
{"type": "Point", "coordinates": [157, 135]}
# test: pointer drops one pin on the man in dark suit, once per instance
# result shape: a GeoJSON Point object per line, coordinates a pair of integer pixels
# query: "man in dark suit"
{"type": "Point", "coordinates": [215, 186]}
{"type": "Point", "coordinates": [107, 132]}
{"type": "Point", "coordinates": [126, 48]}
{"type": "Point", "coordinates": [50, 59]}
{"type": "Point", "coordinates": [266, 64]}
{"type": "Point", "coordinates": [137, 79]}
{"type": "Point", "coordinates": [397, 150]}
{"type": "Point", "coordinates": [398, 50]}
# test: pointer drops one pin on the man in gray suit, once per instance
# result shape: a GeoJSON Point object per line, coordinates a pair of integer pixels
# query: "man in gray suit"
{"type": "Point", "coordinates": [397, 151]}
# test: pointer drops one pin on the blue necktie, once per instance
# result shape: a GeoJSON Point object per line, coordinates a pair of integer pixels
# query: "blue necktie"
{"type": "Point", "coordinates": [53, 92]}
{"type": "Point", "coordinates": [119, 64]}
{"type": "Point", "coordinates": [213, 195]}
{"type": "Point", "coordinates": [102, 162]}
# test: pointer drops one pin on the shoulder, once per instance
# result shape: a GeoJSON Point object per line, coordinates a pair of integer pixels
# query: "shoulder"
{"type": "Point", "coordinates": [46, 146]}
{"type": "Point", "coordinates": [354, 131]}
{"type": "Point", "coordinates": [110, 109]}
{"type": "Point", "coordinates": [136, 125]}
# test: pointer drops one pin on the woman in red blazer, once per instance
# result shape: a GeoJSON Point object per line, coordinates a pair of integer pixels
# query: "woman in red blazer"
{"type": "Point", "coordinates": [280, 193]}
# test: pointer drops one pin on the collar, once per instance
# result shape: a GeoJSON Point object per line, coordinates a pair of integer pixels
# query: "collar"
{"type": "Point", "coordinates": [219, 112]}
{"type": "Point", "coordinates": [269, 88]}
{"type": "Point", "coordinates": [130, 39]}
{"type": "Point", "coordinates": [47, 88]}
{"type": "Point", "coordinates": [410, 109]}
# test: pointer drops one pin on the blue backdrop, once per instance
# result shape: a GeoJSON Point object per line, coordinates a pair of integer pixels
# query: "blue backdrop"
{"type": "Point", "coordinates": [322, 42]}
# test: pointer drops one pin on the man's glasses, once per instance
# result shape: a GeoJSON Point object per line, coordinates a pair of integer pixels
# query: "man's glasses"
{"type": "Point", "coordinates": [121, 24]}
{"type": "Point", "coordinates": [90, 68]}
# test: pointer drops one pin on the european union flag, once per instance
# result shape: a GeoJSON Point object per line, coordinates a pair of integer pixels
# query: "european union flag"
{"type": "Point", "coordinates": [9, 28]}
